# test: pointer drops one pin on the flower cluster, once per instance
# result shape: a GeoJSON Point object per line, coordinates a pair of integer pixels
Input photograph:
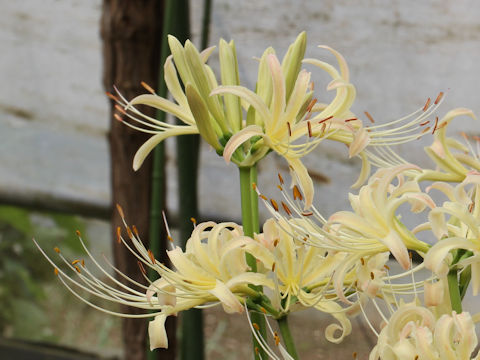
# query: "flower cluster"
{"type": "Point", "coordinates": [337, 265]}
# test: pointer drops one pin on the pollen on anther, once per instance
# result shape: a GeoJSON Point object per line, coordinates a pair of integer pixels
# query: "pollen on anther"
{"type": "Point", "coordinates": [311, 105]}
{"type": "Point", "coordinates": [286, 208]}
{"type": "Point", "coordinates": [439, 97]}
{"type": "Point", "coordinates": [78, 233]}
{"type": "Point", "coordinates": [147, 87]}
{"type": "Point", "coordinates": [254, 187]}
{"type": "Point", "coordinates": [111, 96]}
{"type": "Point", "coordinates": [273, 267]}
{"type": "Point", "coordinates": [120, 109]}
{"type": "Point", "coordinates": [367, 114]}
{"type": "Point", "coordinates": [326, 119]}
{"type": "Point", "coordinates": [322, 131]}
{"type": "Point", "coordinates": [424, 123]}
{"type": "Point", "coordinates": [82, 262]}
{"type": "Point", "coordinates": [57, 250]}
{"type": "Point", "coordinates": [256, 350]}
{"type": "Point", "coordinates": [427, 104]}
{"type": "Point", "coordinates": [263, 197]}
{"type": "Point", "coordinates": [362, 260]}
{"type": "Point", "coordinates": [169, 238]}
{"type": "Point", "coordinates": [275, 243]}
{"type": "Point", "coordinates": [129, 232]}
{"type": "Point", "coordinates": [194, 221]}
{"type": "Point", "coordinates": [309, 126]}
{"type": "Point", "coordinates": [296, 193]}
{"type": "Point", "coordinates": [141, 267]}
{"type": "Point", "coordinates": [74, 262]}
{"type": "Point", "coordinates": [120, 211]}
{"type": "Point", "coordinates": [274, 204]}
{"type": "Point", "coordinates": [55, 271]}
{"type": "Point", "coordinates": [276, 337]}
{"type": "Point", "coordinates": [255, 325]}
{"type": "Point", "coordinates": [372, 275]}
{"type": "Point", "coordinates": [119, 234]}
{"type": "Point", "coordinates": [351, 119]}
{"type": "Point", "coordinates": [427, 129]}
{"type": "Point", "coordinates": [307, 213]}
{"type": "Point", "coordinates": [435, 126]}
{"type": "Point", "coordinates": [289, 129]}
{"type": "Point", "coordinates": [78, 269]}
{"type": "Point", "coordinates": [150, 255]}
{"type": "Point", "coordinates": [262, 309]}
{"type": "Point", "coordinates": [386, 267]}
{"type": "Point", "coordinates": [354, 354]}
{"type": "Point", "coordinates": [135, 231]}
{"type": "Point", "coordinates": [280, 178]}
{"type": "Point", "coordinates": [118, 117]}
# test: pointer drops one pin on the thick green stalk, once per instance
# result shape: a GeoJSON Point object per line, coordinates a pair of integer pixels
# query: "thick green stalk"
{"type": "Point", "coordinates": [287, 337]}
{"type": "Point", "coordinates": [454, 290]}
{"type": "Point", "coordinates": [250, 222]}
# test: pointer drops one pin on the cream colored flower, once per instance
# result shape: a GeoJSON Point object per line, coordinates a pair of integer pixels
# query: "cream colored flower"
{"type": "Point", "coordinates": [413, 332]}
{"type": "Point", "coordinates": [211, 271]}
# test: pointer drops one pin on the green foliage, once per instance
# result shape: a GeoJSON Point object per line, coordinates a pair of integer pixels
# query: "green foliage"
{"type": "Point", "coordinates": [23, 271]}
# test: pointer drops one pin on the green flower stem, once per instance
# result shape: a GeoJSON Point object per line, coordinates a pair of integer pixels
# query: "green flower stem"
{"type": "Point", "coordinates": [454, 290]}
{"type": "Point", "coordinates": [287, 337]}
{"type": "Point", "coordinates": [250, 222]}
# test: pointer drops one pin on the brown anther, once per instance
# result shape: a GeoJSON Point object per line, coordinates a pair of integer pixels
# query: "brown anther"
{"type": "Point", "coordinates": [386, 267]}
{"type": "Point", "coordinates": [129, 232]}
{"type": "Point", "coordinates": [286, 208]}
{"type": "Point", "coordinates": [427, 104]}
{"type": "Point", "coordinates": [255, 325]}
{"type": "Point", "coordinates": [55, 271]}
{"type": "Point", "coordinates": [254, 187]}
{"type": "Point", "coordinates": [280, 178]}
{"type": "Point", "coordinates": [194, 221]}
{"type": "Point", "coordinates": [147, 87]}
{"type": "Point", "coordinates": [470, 207]}
{"type": "Point", "coordinates": [119, 234]}
{"type": "Point", "coordinates": [273, 267]}
{"type": "Point", "coordinates": [57, 250]}
{"type": "Point", "coordinates": [351, 119]}
{"type": "Point", "coordinates": [118, 117]}
{"type": "Point", "coordinates": [289, 129]}
{"type": "Point", "coordinates": [111, 96]}
{"type": "Point", "coordinates": [416, 357]}
{"type": "Point", "coordinates": [169, 238]}
{"type": "Point", "coordinates": [142, 268]}
{"type": "Point", "coordinates": [427, 129]}
{"type": "Point", "coordinates": [120, 211]}
{"type": "Point", "coordinates": [280, 187]}
{"type": "Point", "coordinates": [120, 109]}
{"type": "Point", "coordinates": [296, 193]}
{"type": "Point", "coordinates": [309, 127]}
{"type": "Point", "coordinates": [75, 262]}
{"type": "Point", "coordinates": [135, 231]}
{"type": "Point", "coordinates": [362, 260]}
{"type": "Point", "coordinates": [150, 255]}
{"type": "Point", "coordinates": [78, 269]}
{"type": "Point", "coordinates": [78, 233]}
{"type": "Point", "coordinates": [410, 255]}
{"type": "Point", "coordinates": [355, 283]}
{"type": "Point", "coordinates": [372, 275]}
{"type": "Point", "coordinates": [367, 114]}
{"type": "Point", "coordinates": [275, 243]}
{"type": "Point", "coordinates": [274, 204]}
{"type": "Point", "coordinates": [439, 97]}
{"type": "Point", "coordinates": [256, 350]}
{"type": "Point", "coordinates": [277, 338]}
{"type": "Point", "coordinates": [326, 119]}
{"type": "Point", "coordinates": [307, 213]}
{"type": "Point", "coordinates": [82, 262]}
{"type": "Point", "coordinates": [424, 123]}
{"type": "Point", "coordinates": [311, 105]}
{"type": "Point", "coordinates": [263, 197]}
{"type": "Point", "coordinates": [262, 309]}
{"type": "Point", "coordinates": [322, 131]}
{"type": "Point", "coordinates": [354, 354]}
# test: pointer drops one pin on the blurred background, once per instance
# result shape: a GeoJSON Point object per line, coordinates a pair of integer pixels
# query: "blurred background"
{"type": "Point", "coordinates": [55, 125]}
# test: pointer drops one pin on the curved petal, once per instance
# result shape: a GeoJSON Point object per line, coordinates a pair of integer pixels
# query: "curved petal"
{"type": "Point", "coordinates": [239, 138]}
{"type": "Point", "coordinates": [229, 301]}
{"type": "Point", "coordinates": [150, 144]}
{"type": "Point", "coordinates": [157, 333]}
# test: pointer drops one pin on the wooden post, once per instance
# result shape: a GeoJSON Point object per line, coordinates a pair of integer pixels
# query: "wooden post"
{"type": "Point", "coordinates": [131, 33]}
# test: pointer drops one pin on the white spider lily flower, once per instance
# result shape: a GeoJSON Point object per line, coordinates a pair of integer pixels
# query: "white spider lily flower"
{"type": "Point", "coordinates": [373, 227]}
{"type": "Point", "coordinates": [461, 231]}
{"type": "Point", "coordinates": [211, 271]}
{"type": "Point", "coordinates": [414, 332]}
{"type": "Point", "coordinates": [453, 159]}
